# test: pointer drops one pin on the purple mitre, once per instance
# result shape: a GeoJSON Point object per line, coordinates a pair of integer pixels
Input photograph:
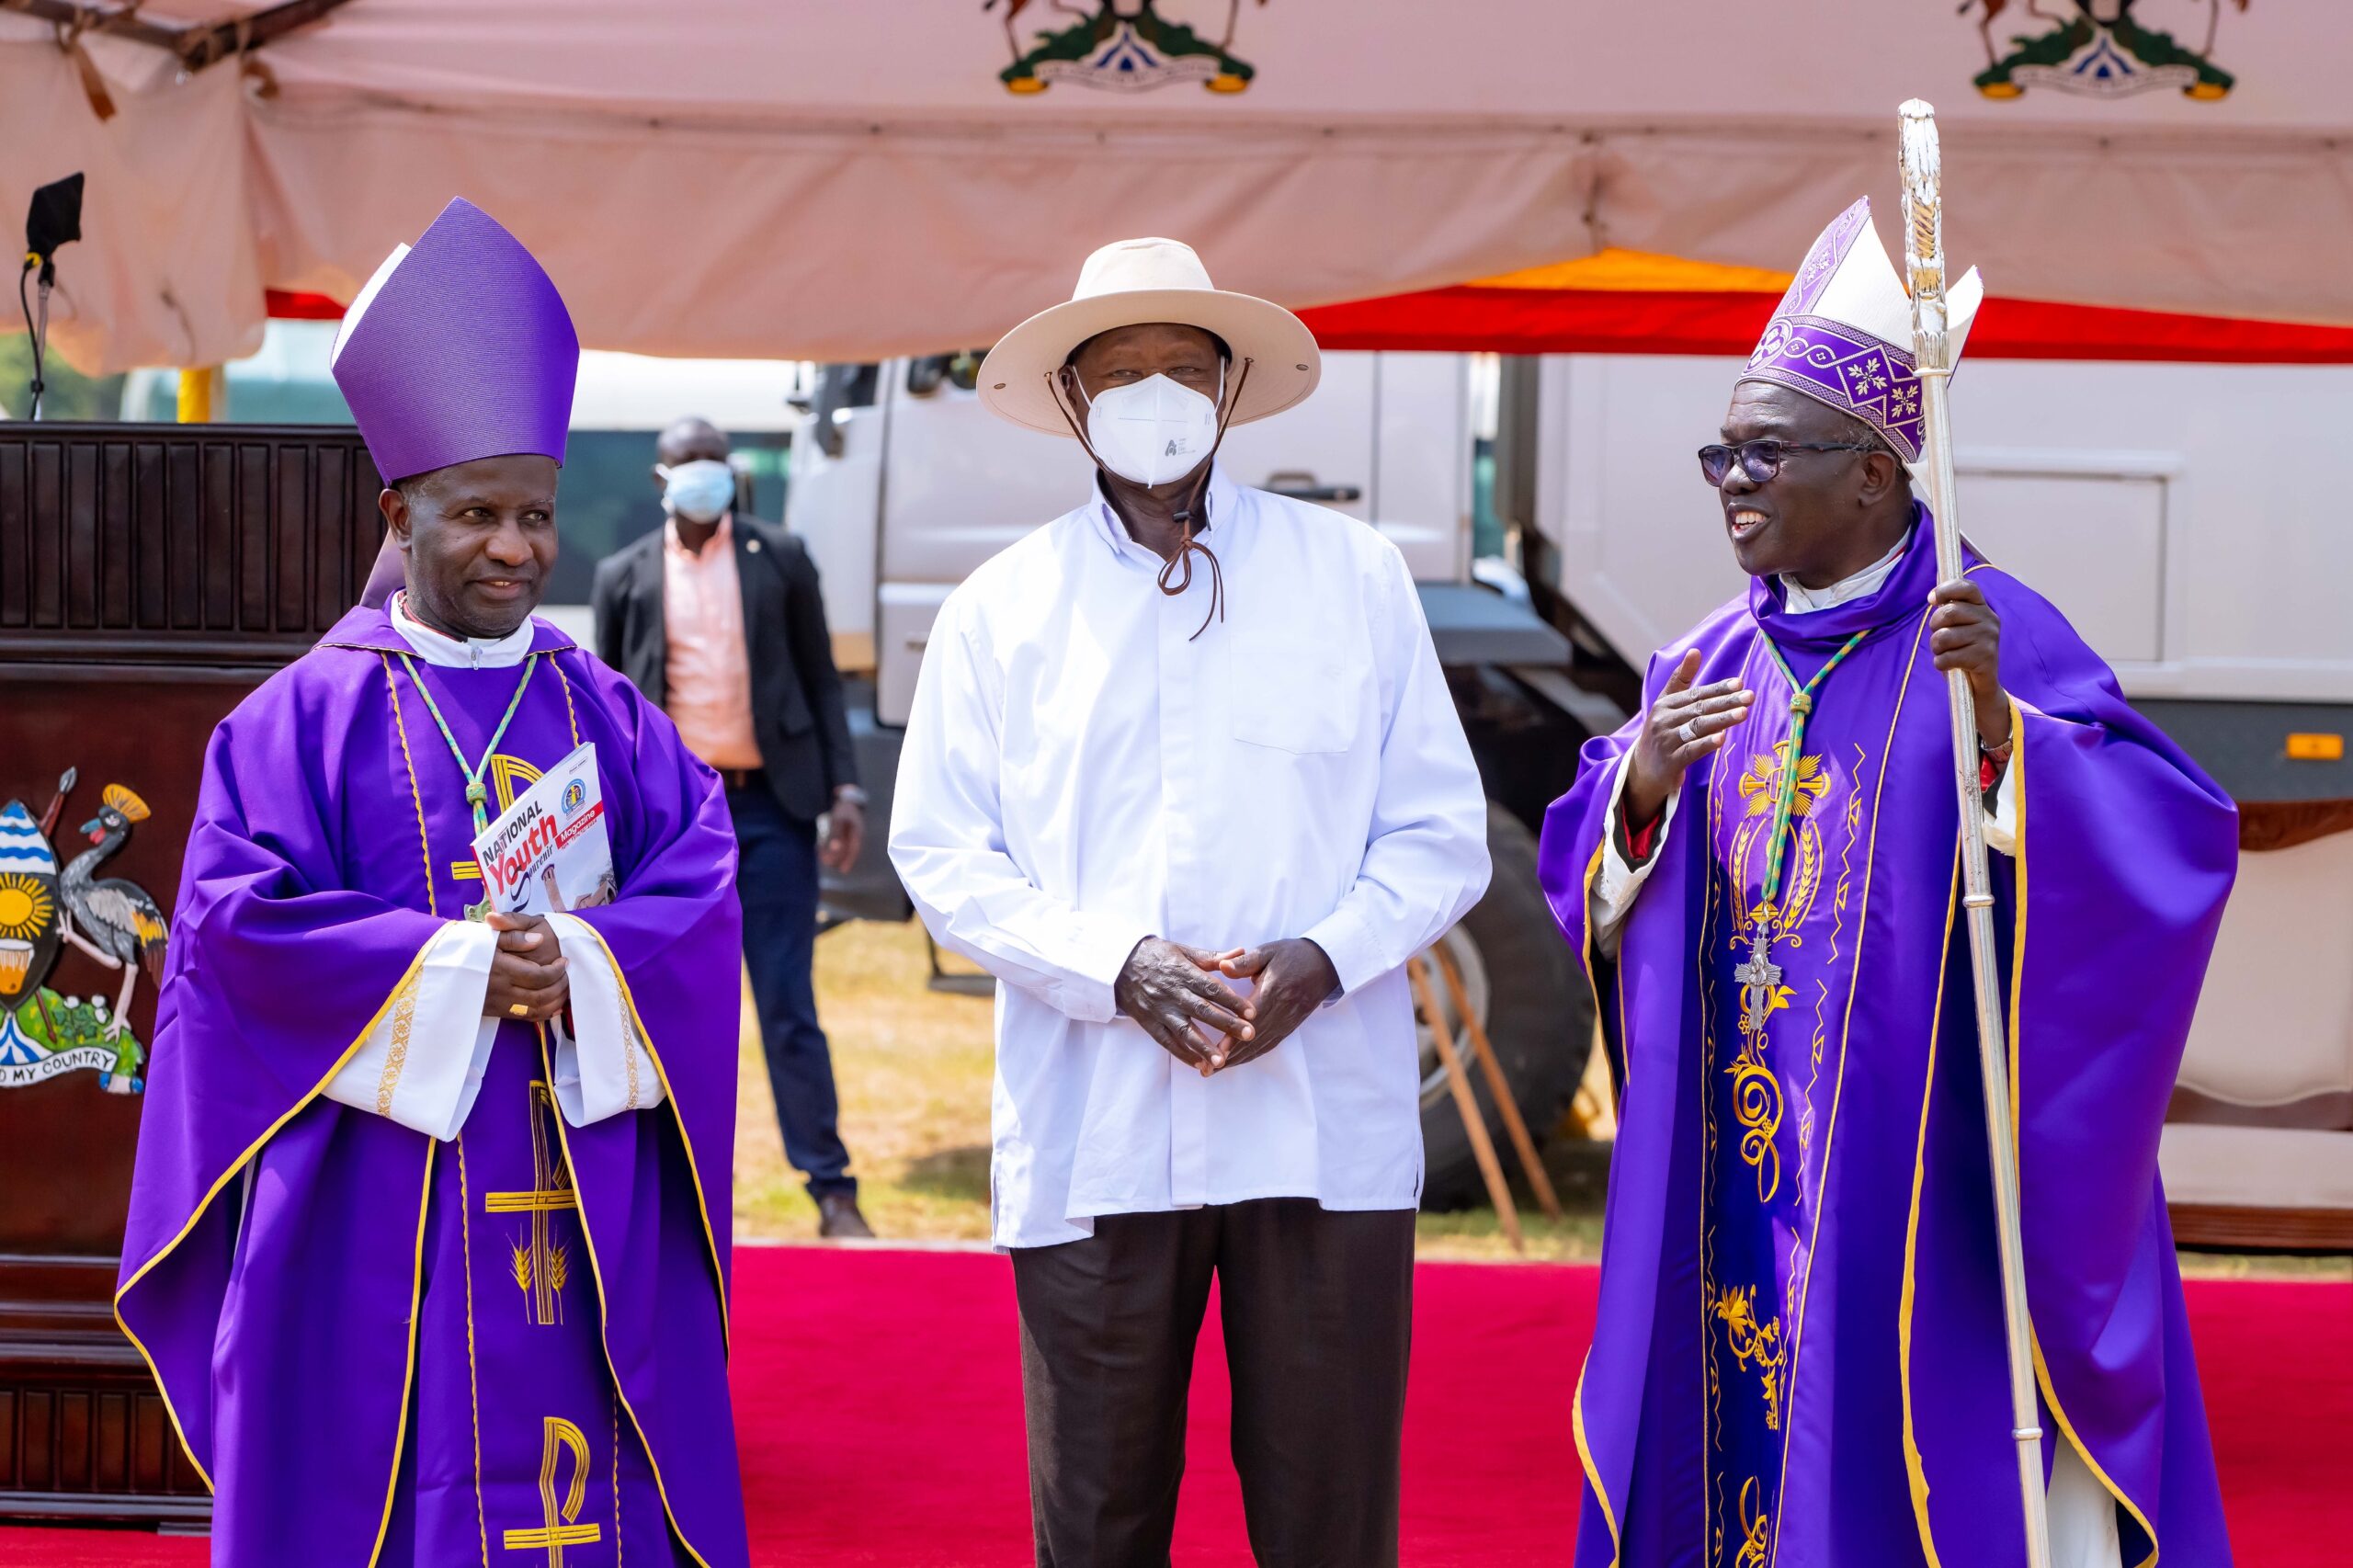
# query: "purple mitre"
{"type": "Point", "coordinates": [1843, 333]}
{"type": "Point", "coordinates": [459, 347]}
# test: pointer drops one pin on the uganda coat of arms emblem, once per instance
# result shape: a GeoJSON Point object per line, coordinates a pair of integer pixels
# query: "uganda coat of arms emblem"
{"type": "Point", "coordinates": [1123, 50]}
{"type": "Point", "coordinates": [44, 909]}
{"type": "Point", "coordinates": [2097, 49]}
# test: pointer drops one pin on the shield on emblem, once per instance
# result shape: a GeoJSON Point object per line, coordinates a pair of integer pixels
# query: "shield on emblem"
{"type": "Point", "coordinates": [29, 933]}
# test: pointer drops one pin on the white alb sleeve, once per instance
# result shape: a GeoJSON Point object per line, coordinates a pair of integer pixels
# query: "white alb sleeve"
{"type": "Point", "coordinates": [1614, 887]}
{"type": "Point", "coordinates": [602, 1067]}
{"type": "Point", "coordinates": [2084, 1531]}
{"type": "Point", "coordinates": [422, 1064]}
{"type": "Point", "coordinates": [2002, 821]}
{"type": "Point", "coordinates": [1425, 860]}
{"type": "Point", "coordinates": [947, 845]}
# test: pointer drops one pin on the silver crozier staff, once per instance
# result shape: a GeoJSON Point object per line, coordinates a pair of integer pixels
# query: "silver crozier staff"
{"type": "Point", "coordinates": [1924, 255]}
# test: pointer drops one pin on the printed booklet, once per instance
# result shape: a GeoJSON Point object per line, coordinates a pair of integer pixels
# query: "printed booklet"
{"type": "Point", "coordinates": [550, 851]}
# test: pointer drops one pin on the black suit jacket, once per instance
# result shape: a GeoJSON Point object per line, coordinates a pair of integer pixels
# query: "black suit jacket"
{"type": "Point", "coordinates": [797, 711]}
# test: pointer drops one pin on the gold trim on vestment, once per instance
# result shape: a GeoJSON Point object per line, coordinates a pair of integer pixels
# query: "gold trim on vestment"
{"type": "Point", "coordinates": [406, 982]}
{"type": "Point", "coordinates": [1839, 1081]}
{"type": "Point", "coordinates": [604, 1313]}
{"type": "Point", "coordinates": [1584, 1459]}
{"type": "Point", "coordinates": [408, 1373]}
{"type": "Point", "coordinates": [227, 1177]}
{"type": "Point", "coordinates": [686, 1140]}
{"type": "Point", "coordinates": [396, 1058]}
{"type": "Point", "coordinates": [1914, 1468]}
{"type": "Point", "coordinates": [416, 796]}
{"type": "Point", "coordinates": [1820, 1039]}
{"type": "Point", "coordinates": [1710, 1386]}
{"type": "Point", "coordinates": [2018, 1143]}
{"type": "Point", "coordinates": [474, 1385]}
{"type": "Point", "coordinates": [564, 683]}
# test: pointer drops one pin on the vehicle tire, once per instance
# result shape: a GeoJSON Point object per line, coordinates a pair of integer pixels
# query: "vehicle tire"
{"type": "Point", "coordinates": [1525, 985]}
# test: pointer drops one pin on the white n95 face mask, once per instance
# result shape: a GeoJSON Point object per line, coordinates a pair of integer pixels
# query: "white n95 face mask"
{"type": "Point", "coordinates": [1153, 430]}
{"type": "Point", "coordinates": [698, 490]}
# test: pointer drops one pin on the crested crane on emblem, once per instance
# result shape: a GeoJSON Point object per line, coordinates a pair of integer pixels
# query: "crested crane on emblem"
{"type": "Point", "coordinates": [42, 1033]}
{"type": "Point", "coordinates": [112, 920]}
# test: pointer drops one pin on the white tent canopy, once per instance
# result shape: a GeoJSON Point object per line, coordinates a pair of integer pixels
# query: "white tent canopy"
{"type": "Point", "coordinates": [850, 178]}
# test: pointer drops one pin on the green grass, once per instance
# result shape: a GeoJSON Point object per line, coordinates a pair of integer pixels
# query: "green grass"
{"type": "Point", "coordinates": [912, 1066]}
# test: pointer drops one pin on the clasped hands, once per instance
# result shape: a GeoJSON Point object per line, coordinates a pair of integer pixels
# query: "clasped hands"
{"type": "Point", "coordinates": [527, 978]}
{"type": "Point", "coordinates": [1178, 996]}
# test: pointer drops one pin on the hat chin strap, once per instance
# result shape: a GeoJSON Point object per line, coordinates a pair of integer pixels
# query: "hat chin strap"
{"type": "Point", "coordinates": [1179, 566]}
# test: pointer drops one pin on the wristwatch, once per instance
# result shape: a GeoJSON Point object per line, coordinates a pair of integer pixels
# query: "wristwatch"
{"type": "Point", "coordinates": [850, 794]}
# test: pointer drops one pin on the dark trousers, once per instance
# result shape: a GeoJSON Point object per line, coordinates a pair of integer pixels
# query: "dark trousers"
{"type": "Point", "coordinates": [1318, 1311]}
{"type": "Point", "coordinates": [776, 881]}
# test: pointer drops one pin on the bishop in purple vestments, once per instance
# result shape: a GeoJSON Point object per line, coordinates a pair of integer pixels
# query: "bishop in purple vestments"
{"type": "Point", "coordinates": [422, 1279]}
{"type": "Point", "coordinates": [1800, 1356]}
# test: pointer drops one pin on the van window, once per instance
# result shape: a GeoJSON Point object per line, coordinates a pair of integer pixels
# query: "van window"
{"type": "Point", "coordinates": [847, 386]}
{"type": "Point", "coordinates": [960, 369]}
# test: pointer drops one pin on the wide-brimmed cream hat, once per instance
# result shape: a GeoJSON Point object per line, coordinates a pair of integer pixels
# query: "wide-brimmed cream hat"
{"type": "Point", "coordinates": [1130, 284]}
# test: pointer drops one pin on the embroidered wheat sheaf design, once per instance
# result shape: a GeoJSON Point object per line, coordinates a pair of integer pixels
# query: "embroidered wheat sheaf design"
{"type": "Point", "coordinates": [1755, 1345]}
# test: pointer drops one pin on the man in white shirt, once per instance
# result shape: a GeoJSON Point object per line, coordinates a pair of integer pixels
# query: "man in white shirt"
{"type": "Point", "coordinates": [1184, 774]}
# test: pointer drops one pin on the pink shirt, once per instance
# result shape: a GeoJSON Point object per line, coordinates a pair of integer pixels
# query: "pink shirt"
{"type": "Point", "coordinates": [708, 676]}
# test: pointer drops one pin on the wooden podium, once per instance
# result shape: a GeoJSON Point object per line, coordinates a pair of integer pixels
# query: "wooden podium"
{"type": "Point", "coordinates": [150, 577]}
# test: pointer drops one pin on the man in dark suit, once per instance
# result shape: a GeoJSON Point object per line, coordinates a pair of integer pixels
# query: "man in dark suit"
{"type": "Point", "coordinates": [716, 617]}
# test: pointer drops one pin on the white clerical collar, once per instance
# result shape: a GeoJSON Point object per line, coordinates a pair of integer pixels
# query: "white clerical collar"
{"type": "Point", "coordinates": [1803, 600]}
{"type": "Point", "coordinates": [459, 653]}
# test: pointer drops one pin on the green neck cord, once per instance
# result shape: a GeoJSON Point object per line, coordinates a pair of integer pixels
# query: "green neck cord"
{"type": "Point", "coordinates": [1785, 788]}
{"type": "Point", "coordinates": [476, 795]}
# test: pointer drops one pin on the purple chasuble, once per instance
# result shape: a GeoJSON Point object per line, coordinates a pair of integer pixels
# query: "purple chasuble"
{"type": "Point", "coordinates": [1799, 1356]}
{"type": "Point", "coordinates": [507, 1349]}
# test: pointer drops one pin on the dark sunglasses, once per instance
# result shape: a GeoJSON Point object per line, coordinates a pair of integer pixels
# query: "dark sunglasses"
{"type": "Point", "coordinates": [1762, 459]}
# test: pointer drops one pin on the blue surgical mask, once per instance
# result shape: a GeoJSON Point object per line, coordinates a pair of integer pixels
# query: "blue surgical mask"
{"type": "Point", "coordinates": [700, 491]}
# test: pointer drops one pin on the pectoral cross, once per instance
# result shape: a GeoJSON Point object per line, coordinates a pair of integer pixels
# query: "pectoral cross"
{"type": "Point", "coordinates": [539, 1265]}
{"type": "Point", "coordinates": [1758, 977]}
{"type": "Point", "coordinates": [557, 1530]}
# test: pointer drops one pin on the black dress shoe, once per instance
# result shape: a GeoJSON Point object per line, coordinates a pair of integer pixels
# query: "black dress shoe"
{"type": "Point", "coordinates": [839, 1219]}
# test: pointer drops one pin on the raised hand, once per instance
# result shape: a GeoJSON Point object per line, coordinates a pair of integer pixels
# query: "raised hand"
{"type": "Point", "coordinates": [1173, 994]}
{"type": "Point", "coordinates": [1685, 724]}
{"type": "Point", "coordinates": [528, 971]}
{"type": "Point", "coordinates": [1290, 979]}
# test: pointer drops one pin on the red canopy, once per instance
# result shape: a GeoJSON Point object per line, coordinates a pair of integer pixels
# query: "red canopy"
{"type": "Point", "coordinates": [1622, 303]}
{"type": "Point", "coordinates": [1500, 319]}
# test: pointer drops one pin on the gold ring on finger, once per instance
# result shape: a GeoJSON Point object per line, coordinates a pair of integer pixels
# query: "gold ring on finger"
{"type": "Point", "coordinates": [519, 1010]}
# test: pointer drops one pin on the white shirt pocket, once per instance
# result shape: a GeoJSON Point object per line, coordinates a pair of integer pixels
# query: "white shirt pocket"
{"type": "Point", "coordinates": [1295, 690]}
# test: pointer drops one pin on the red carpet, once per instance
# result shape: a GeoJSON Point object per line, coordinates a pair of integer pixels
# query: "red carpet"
{"type": "Point", "coordinates": [878, 1401]}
